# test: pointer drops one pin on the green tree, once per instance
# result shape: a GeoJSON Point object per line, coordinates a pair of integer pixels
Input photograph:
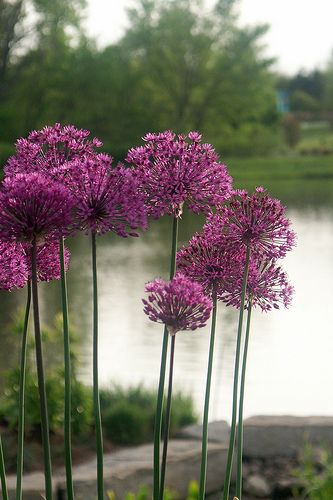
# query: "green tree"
{"type": "Point", "coordinates": [201, 69]}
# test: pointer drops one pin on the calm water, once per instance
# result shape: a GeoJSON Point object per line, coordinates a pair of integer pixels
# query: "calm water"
{"type": "Point", "coordinates": [290, 357]}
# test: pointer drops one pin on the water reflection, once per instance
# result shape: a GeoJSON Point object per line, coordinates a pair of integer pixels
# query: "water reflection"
{"type": "Point", "coordinates": [289, 369]}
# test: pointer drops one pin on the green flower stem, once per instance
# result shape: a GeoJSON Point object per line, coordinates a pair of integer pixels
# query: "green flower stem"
{"type": "Point", "coordinates": [21, 408]}
{"type": "Point", "coordinates": [240, 409]}
{"type": "Point", "coordinates": [96, 399]}
{"type": "Point", "coordinates": [67, 365]}
{"type": "Point", "coordinates": [3, 474]}
{"type": "Point", "coordinates": [159, 403]}
{"type": "Point", "coordinates": [167, 417]}
{"type": "Point", "coordinates": [227, 479]}
{"type": "Point", "coordinates": [41, 380]}
{"type": "Point", "coordinates": [203, 468]}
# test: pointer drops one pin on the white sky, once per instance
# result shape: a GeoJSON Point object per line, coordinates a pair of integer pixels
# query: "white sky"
{"type": "Point", "coordinates": [301, 34]}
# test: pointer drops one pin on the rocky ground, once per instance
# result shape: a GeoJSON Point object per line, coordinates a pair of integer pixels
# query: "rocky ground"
{"type": "Point", "coordinates": [271, 449]}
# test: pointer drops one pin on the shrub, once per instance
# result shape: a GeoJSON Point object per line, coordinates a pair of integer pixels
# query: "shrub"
{"type": "Point", "coordinates": [315, 474]}
{"type": "Point", "coordinates": [128, 414]}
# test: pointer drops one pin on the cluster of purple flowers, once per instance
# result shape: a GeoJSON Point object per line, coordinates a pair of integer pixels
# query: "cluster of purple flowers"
{"type": "Point", "coordinates": [58, 183]}
{"type": "Point", "coordinates": [55, 184]}
{"type": "Point", "coordinates": [255, 225]}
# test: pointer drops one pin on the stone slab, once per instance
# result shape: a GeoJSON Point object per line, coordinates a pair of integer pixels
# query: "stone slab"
{"type": "Point", "coordinates": [218, 432]}
{"type": "Point", "coordinates": [127, 469]}
{"type": "Point", "coordinates": [285, 436]}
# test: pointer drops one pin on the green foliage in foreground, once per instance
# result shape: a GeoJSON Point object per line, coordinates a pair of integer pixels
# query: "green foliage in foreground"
{"type": "Point", "coordinates": [127, 414]}
{"type": "Point", "coordinates": [316, 474]}
{"type": "Point", "coordinates": [144, 494]}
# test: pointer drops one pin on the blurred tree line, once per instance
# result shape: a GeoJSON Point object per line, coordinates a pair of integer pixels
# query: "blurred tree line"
{"type": "Point", "coordinates": [176, 66]}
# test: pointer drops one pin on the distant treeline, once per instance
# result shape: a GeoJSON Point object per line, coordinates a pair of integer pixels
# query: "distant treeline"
{"type": "Point", "coordinates": [176, 66]}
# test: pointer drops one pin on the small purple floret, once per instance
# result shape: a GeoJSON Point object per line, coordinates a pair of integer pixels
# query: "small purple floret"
{"type": "Point", "coordinates": [180, 304]}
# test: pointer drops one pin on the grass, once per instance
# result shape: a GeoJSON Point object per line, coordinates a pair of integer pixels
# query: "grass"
{"type": "Point", "coordinates": [280, 168]}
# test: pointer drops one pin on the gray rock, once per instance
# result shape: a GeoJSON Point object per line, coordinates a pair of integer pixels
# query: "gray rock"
{"type": "Point", "coordinates": [218, 432]}
{"type": "Point", "coordinates": [257, 486]}
{"type": "Point", "coordinates": [273, 436]}
{"type": "Point", "coordinates": [127, 469]}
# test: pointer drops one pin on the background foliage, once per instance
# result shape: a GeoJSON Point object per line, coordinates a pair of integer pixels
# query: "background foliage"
{"type": "Point", "coordinates": [176, 66]}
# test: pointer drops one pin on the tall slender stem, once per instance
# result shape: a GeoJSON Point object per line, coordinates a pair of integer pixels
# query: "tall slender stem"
{"type": "Point", "coordinates": [160, 393]}
{"type": "Point", "coordinates": [3, 474]}
{"type": "Point", "coordinates": [97, 406]}
{"type": "Point", "coordinates": [240, 409]}
{"type": "Point", "coordinates": [67, 365]}
{"type": "Point", "coordinates": [21, 408]}
{"type": "Point", "coordinates": [41, 380]}
{"type": "Point", "coordinates": [235, 388]}
{"type": "Point", "coordinates": [203, 468]}
{"type": "Point", "coordinates": [167, 417]}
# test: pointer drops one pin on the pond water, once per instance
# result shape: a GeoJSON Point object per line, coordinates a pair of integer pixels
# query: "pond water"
{"type": "Point", "coordinates": [290, 368]}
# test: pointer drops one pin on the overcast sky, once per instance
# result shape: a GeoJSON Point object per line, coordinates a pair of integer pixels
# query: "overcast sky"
{"type": "Point", "coordinates": [301, 34]}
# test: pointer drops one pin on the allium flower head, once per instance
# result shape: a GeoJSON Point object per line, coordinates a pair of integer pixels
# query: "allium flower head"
{"type": "Point", "coordinates": [14, 267]}
{"type": "Point", "coordinates": [175, 171]}
{"type": "Point", "coordinates": [267, 287]}
{"type": "Point", "coordinates": [47, 150]}
{"type": "Point", "coordinates": [106, 198]}
{"type": "Point", "coordinates": [33, 207]}
{"type": "Point", "coordinates": [206, 261]}
{"type": "Point", "coordinates": [180, 304]}
{"type": "Point", "coordinates": [257, 221]}
{"type": "Point", "coordinates": [48, 261]}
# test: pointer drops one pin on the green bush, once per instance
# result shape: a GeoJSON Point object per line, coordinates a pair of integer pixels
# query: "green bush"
{"type": "Point", "coordinates": [315, 473]}
{"type": "Point", "coordinates": [54, 380]}
{"type": "Point", "coordinates": [128, 414]}
{"type": "Point", "coordinates": [81, 403]}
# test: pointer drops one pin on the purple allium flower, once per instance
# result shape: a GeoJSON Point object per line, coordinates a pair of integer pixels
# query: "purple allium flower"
{"type": "Point", "coordinates": [106, 198]}
{"type": "Point", "coordinates": [34, 207]}
{"type": "Point", "coordinates": [208, 262]}
{"type": "Point", "coordinates": [175, 171]}
{"type": "Point", "coordinates": [180, 304]}
{"type": "Point", "coordinates": [257, 221]}
{"type": "Point", "coordinates": [48, 261]}
{"type": "Point", "coordinates": [47, 150]}
{"type": "Point", "coordinates": [14, 268]}
{"type": "Point", "coordinates": [267, 287]}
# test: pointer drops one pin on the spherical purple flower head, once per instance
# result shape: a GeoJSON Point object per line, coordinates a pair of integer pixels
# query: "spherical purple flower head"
{"type": "Point", "coordinates": [47, 150]}
{"type": "Point", "coordinates": [267, 287]}
{"type": "Point", "coordinates": [48, 260]}
{"type": "Point", "coordinates": [175, 171]}
{"type": "Point", "coordinates": [13, 266]}
{"type": "Point", "coordinates": [257, 222]}
{"type": "Point", "coordinates": [206, 261]}
{"type": "Point", "coordinates": [33, 207]}
{"type": "Point", "coordinates": [106, 198]}
{"type": "Point", "coordinates": [180, 304]}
